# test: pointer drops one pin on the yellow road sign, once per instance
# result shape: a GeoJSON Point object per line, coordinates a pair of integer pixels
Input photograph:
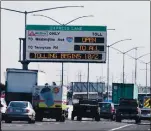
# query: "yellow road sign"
{"type": "Point", "coordinates": [147, 103]}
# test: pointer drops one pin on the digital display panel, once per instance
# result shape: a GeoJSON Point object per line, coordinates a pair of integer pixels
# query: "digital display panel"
{"type": "Point", "coordinates": [53, 43]}
{"type": "Point", "coordinates": [88, 39]}
{"type": "Point", "coordinates": [89, 47]}
{"type": "Point", "coordinates": [77, 56]}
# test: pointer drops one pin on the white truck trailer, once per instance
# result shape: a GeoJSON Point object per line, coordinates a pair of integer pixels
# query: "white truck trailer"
{"type": "Point", "coordinates": [50, 102]}
{"type": "Point", "coordinates": [29, 85]}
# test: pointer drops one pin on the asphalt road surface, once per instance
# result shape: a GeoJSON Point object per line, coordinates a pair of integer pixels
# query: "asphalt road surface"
{"type": "Point", "coordinates": [103, 125]}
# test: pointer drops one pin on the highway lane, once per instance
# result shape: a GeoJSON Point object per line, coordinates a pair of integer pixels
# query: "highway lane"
{"type": "Point", "coordinates": [103, 125]}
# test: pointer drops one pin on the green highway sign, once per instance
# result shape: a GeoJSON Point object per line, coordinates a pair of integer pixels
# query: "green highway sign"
{"type": "Point", "coordinates": [66, 28]}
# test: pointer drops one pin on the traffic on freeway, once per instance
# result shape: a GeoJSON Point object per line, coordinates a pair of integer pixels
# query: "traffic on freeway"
{"type": "Point", "coordinates": [111, 93]}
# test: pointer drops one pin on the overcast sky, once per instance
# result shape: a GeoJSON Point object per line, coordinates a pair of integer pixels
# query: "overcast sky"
{"type": "Point", "coordinates": [130, 19]}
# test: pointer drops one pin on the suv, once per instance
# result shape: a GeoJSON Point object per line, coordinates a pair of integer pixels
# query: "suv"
{"type": "Point", "coordinates": [86, 109]}
{"type": "Point", "coordinates": [107, 110]}
{"type": "Point", "coordinates": [128, 109]}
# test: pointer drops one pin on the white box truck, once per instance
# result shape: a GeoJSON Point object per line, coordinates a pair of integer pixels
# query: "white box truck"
{"type": "Point", "coordinates": [19, 83]}
{"type": "Point", "coordinates": [29, 85]}
{"type": "Point", "coordinates": [50, 102]}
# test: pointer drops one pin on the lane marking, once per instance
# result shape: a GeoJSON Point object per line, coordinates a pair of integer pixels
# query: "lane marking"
{"type": "Point", "coordinates": [19, 125]}
{"type": "Point", "coordinates": [121, 127]}
{"type": "Point", "coordinates": [145, 123]}
{"type": "Point", "coordinates": [39, 124]}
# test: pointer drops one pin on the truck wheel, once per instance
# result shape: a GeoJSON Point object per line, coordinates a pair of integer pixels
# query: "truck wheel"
{"type": "Point", "coordinates": [57, 119]}
{"type": "Point", "coordinates": [112, 117]}
{"type": "Point", "coordinates": [118, 119]}
{"type": "Point", "coordinates": [8, 121]}
{"type": "Point", "coordinates": [97, 118]}
{"type": "Point", "coordinates": [31, 121]}
{"type": "Point", "coordinates": [72, 117]}
{"type": "Point", "coordinates": [137, 121]}
{"type": "Point", "coordinates": [39, 118]}
{"type": "Point", "coordinates": [62, 119]}
{"type": "Point", "coordinates": [79, 118]}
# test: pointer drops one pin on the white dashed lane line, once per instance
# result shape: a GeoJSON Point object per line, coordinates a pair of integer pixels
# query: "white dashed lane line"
{"type": "Point", "coordinates": [114, 129]}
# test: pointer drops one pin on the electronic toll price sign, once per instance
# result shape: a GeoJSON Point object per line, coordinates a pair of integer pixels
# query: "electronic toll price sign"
{"type": "Point", "coordinates": [46, 43]}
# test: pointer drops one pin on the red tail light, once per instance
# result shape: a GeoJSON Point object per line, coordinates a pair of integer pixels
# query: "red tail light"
{"type": "Point", "coordinates": [27, 111]}
{"type": "Point", "coordinates": [9, 110]}
{"type": "Point", "coordinates": [112, 109]}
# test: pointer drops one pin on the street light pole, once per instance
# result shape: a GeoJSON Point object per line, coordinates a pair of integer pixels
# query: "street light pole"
{"type": "Point", "coordinates": [135, 66]}
{"type": "Point", "coordinates": [108, 68]}
{"type": "Point", "coordinates": [137, 58]}
{"type": "Point", "coordinates": [123, 68]}
{"type": "Point", "coordinates": [146, 72]}
{"type": "Point", "coordinates": [24, 62]}
{"type": "Point", "coordinates": [124, 59]}
{"type": "Point", "coordinates": [146, 77]}
{"type": "Point", "coordinates": [108, 62]}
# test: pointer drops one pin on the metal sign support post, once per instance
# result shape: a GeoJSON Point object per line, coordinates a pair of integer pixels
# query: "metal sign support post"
{"type": "Point", "coordinates": [62, 75]}
{"type": "Point", "coordinates": [88, 83]}
{"type": "Point", "coordinates": [24, 63]}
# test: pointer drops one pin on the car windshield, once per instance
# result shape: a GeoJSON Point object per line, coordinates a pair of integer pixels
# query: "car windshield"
{"type": "Point", "coordinates": [19, 104]}
{"type": "Point", "coordinates": [105, 105]}
{"type": "Point", "coordinates": [128, 103]}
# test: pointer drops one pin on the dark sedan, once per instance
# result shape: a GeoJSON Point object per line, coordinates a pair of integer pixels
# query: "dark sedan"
{"type": "Point", "coordinates": [107, 110]}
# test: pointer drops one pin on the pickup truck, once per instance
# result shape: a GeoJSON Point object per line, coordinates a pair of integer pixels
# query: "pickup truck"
{"type": "Point", "coordinates": [128, 109]}
{"type": "Point", "coordinates": [86, 109]}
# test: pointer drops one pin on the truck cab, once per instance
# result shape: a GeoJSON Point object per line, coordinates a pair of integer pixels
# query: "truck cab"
{"type": "Point", "coordinates": [128, 109]}
{"type": "Point", "coordinates": [86, 108]}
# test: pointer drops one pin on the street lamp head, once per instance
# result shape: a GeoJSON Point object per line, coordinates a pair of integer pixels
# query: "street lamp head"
{"type": "Point", "coordinates": [110, 29]}
{"type": "Point", "coordinates": [90, 16]}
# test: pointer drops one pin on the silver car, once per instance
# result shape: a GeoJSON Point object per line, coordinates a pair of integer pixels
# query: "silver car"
{"type": "Point", "coordinates": [20, 111]}
{"type": "Point", "coordinates": [145, 113]}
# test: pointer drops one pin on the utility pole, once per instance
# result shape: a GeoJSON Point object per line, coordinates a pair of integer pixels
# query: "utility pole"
{"type": "Point", "coordinates": [61, 74]}
{"type": "Point", "coordinates": [132, 76]}
{"type": "Point", "coordinates": [80, 76]}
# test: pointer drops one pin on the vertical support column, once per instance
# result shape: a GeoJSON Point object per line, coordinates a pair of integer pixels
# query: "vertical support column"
{"type": "Point", "coordinates": [135, 66]}
{"type": "Point", "coordinates": [24, 63]}
{"type": "Point", "coordinates": [123, 68]}
{"type": "Point", "coordinates": [146, 78]}
{"type": "Point", "coordinates": [88, 83]}
{"type": "Point", "coordinates": [62, 75]}
{"type": "Point", "coordinates": [108, 69]}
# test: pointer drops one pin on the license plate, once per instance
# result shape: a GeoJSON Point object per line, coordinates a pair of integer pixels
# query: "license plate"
{"type": "Point", "coordinates": [104, 111]}
{"type": "Point", "coordinates": [88, 110]}
{"type": "Point", "coordinates": [46, 111]}
{"type": "Point", "coordinates": [126, 114]}
{"type": "Point", "coordinates": [18, 110]}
